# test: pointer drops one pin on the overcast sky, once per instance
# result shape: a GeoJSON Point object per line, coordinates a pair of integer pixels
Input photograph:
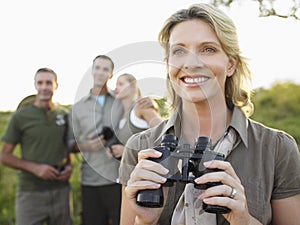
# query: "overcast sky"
{"type": "Point", "coordinates": [66, 36]}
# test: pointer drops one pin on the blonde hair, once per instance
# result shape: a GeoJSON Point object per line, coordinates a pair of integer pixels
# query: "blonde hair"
{"type": "Point", "coordinates": [132, 80]}
{"type": "Point", "coordinates": [237, 86]}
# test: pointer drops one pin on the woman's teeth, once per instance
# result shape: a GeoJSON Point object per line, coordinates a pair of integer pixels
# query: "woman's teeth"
{"type": "Point", "coordinates": [190, 80]}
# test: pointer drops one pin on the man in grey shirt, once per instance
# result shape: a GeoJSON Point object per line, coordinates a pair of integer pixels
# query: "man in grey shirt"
{"type": "Point", "coordinates": [101, 194]}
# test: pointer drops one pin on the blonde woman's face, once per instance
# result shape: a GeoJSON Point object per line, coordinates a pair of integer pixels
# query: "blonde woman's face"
{"type": "Point", "coordinates": [123, 88]}
{"type": "Point", "coordinates": [197, 64]}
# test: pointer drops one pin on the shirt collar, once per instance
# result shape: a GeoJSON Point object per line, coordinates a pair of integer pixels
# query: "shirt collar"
{"type": "Point", "coordinates": [90, 95]}
{"type": "Point", "coordinates": [240, 123]}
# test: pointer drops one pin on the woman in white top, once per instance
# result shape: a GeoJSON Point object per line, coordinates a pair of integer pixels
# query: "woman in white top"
{"type": "Point", "coordinates": [139, 113]}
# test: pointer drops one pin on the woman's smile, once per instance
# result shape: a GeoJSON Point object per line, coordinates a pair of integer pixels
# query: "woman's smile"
{"type": "Point", "coordinates": [194, 81]}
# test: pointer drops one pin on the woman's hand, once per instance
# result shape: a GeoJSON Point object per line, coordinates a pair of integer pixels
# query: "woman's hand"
{"type": "Point", "coordinates": [231, 194]}
{"type": "Point", "coordinates": [146, 175]}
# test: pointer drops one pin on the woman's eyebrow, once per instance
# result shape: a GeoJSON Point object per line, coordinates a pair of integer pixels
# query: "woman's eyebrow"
{"type": "Point", "coordinates": [177, 44]}
{"type": "Point", "coordinates": [202, 43]}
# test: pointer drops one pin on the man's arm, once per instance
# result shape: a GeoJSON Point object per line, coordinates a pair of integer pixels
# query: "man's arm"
{"type": "Point", "coordinates": [286, 211]}
{"type": "Point", "coordinates": [42, 171]}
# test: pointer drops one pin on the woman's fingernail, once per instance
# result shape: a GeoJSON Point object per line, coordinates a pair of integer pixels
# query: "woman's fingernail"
{"type": "Point", "coordinates": [156, 185]}
{"type": "Point", "coordinates": [166, 171]}
{"type": "Point", "coordinates": [207, 200]}
{"type": "Point", "coordinates": [198, 180]}
{"type": "Point", "coordinates": [206, 164]}
{"type": "Point", "coordinates": [163, 179]}
{"type": "Point", "coordinates": [157, 153]}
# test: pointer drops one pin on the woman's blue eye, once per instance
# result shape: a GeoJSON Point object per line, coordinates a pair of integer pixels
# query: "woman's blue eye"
{"type": "Point", "coordinates": [209, 49]}
{"type": "Point", "coordinates": [178, 51]}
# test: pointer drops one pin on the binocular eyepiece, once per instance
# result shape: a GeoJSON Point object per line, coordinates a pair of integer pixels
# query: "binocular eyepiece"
{"type": "Point", "coordinates": [192, 159]}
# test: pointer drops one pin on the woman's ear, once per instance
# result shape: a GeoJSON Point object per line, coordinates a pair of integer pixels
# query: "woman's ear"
{"type": "Point", "coordinates": [232, 64]}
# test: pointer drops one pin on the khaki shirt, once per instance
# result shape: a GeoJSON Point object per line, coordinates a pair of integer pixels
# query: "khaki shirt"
{"type": "Point", "coordinates": [266, 161]}
{"type": "Point", "coordinates": [87, 118]}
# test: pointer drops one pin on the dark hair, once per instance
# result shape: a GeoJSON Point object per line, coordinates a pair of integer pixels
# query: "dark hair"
{"type": "Point", "coordinates": [104, 57]}
{"type": "Point", "coordinates": [45, 69]}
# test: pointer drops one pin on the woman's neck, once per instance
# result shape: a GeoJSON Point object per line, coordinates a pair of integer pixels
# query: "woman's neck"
{"type": "Point", "coordinates": [127, 104]}
{"type": "Point", "coordinates": [205, 119]}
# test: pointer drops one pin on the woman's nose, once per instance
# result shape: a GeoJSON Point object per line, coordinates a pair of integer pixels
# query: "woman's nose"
{"type": "Point", "coordinates": [192, 61]}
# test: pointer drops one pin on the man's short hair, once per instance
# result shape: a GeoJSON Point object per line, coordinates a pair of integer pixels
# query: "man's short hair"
{"type": "Point", "coordinates": [45, 69]}
{"type": "Point", "coordinates": [104, 57]}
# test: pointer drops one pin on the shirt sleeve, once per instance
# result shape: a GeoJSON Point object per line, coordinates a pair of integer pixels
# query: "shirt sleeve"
{"type": "Point", "coordinates": [143, 140]}
{"type": "Point", "coordinates": [70, 136]}
{"type": "Point", "coordinates": [287, 168]}
{"type": "Point", "coordinates": [129, 160]}
{"type": "Point", "coordinates": [13, 132]}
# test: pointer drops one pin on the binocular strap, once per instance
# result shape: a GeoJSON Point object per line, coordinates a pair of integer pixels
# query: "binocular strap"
{"type": "Point", "coordinates": [189, 208]}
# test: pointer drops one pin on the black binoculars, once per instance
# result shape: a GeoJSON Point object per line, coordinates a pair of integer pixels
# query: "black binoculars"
{"type": "Point", "coordinates": [192, 159]}
{"type": "Point", "coordinates": [110, 137]}
{"type": "Point", "coordinates": [107, 133]}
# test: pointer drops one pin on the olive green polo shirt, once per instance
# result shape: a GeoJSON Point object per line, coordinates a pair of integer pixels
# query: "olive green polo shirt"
{"type": "Point", "coordinates": [42, 136]}
{"type": "Point", "coordinates": [86, 118]}
{"type": "Point", "coordinates": [266, 161]}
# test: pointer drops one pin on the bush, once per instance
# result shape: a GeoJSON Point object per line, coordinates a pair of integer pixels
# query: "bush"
{"type": "Point", "coordinates": [279, 107]}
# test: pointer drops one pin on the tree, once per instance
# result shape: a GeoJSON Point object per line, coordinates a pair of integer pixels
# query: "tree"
{"type": "Point", "coordinates": [279, 107]}
{"type": "Point", "coordinates": [269, 7]}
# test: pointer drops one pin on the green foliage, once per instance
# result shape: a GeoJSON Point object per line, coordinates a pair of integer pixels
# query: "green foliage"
{"type": "Point", "coordinates": [76, 189]}
{"type": "Point", "coordinates": [163, 108]}
{"type": "Point", "coordinates": [8, 180]}
{"type": "Point", "coordinates": [279, 107]}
